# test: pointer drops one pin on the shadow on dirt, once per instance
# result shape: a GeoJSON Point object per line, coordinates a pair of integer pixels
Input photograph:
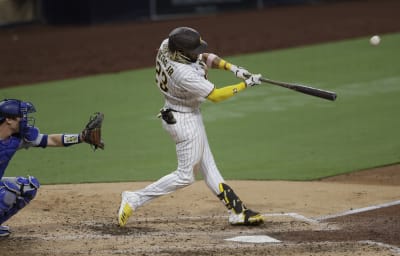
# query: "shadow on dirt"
{"type": "Point", "coordinates": [114, 230]}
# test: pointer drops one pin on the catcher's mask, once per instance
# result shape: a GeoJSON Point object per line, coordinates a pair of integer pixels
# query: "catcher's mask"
{"type": "Point", "coordinates": [12, 108]}
{"type": "Point", "coordinates": [186, 41]}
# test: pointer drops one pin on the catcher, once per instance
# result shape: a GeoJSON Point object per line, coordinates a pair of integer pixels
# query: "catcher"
{"type": "Point", "coordinates": [17, 131]}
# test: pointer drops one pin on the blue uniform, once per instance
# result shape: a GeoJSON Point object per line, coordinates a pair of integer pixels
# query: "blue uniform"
{"type": "Point", "coordinates": [17, 192]}
{"type": "Point", "coordinates": [9, 146]}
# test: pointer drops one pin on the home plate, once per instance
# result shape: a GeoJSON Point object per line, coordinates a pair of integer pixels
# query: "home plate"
{"type": "Point", "coordinates": [253, 239]}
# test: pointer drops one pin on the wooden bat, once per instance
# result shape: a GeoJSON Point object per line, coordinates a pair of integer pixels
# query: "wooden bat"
{"type": "Point", "coordinates": [303, 89]}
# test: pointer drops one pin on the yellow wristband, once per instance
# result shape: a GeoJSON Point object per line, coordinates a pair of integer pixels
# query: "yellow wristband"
{"type": "Point", "coordinates": [224, 65]}
{"type": "Point", "coordinates": [221, 64]}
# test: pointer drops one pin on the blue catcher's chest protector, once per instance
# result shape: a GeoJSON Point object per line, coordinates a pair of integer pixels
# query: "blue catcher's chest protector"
{"type": "Point", "coordinates": [8, 147]}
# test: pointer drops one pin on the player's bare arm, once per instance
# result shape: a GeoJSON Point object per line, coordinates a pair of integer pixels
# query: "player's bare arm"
{"type": "Point", "coordinates": [226, 92]}
{"type": "Point", "coordinates": [54, 140]}
{"type": "Point", "coordinates": [214, 61]}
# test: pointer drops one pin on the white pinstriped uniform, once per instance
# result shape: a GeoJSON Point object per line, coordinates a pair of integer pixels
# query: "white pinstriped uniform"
{"type": "Point", "coordinates": [184, 87]}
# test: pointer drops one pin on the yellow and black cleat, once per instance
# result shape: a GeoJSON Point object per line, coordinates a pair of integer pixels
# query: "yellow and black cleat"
{"type": "Point", "coordinates": [252, 218]}
{"type": "Point", "coordinates": [124, 213]}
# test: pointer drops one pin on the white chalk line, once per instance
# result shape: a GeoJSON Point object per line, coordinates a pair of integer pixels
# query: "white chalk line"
{"type": "Point", "coordinates": [392, 248]}
{"type": "Point", "coordinates": [359, 210]}
{"type": "Point", "coordinates": [294, 216]}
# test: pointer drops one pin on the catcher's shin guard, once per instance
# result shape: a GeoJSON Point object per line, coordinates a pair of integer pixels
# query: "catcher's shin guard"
{"type": "Point", "coordinates": [240, 215]}
{"type": "Point", "coordinates": [15, 194]}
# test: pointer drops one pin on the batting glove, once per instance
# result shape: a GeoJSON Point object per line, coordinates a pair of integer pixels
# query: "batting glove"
{"type": "Point", "coordinates": [253, 80]}
{"type": "Point", "coordinates": [240, 72]}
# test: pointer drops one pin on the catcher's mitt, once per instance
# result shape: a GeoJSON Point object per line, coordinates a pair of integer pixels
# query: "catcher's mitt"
{"type": "Point", "coordinates": [92, 132]}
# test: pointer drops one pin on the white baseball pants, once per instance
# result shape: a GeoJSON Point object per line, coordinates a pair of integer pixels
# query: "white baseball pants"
{"type": "Point", "coordinates": [193, 153]}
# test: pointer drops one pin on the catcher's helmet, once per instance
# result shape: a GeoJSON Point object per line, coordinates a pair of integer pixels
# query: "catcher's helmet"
{"type": "Point", "coordinates": [186, 40]}
{"type": "Point", "coordinates": [15, 108]}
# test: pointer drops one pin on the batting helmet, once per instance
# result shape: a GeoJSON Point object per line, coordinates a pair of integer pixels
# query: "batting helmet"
{"type": "Point", "coordinates": [186, 40]}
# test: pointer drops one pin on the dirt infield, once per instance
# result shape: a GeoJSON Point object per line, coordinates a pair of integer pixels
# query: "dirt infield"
{"type": "Point", "coordinates": [326, 217]}
{"type": "Point", "coordinates": [308, 218]}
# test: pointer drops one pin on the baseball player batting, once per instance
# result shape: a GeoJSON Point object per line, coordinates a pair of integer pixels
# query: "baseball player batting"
{"type": "Point", "coordinates": [181, 75]}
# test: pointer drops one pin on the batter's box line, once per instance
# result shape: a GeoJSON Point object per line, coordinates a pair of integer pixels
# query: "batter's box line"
{"type": "Point", "coordinates": [359, 210]}
{"type": "Point", "coordinates": [392, 248]}
{"type": "Point", "coordinates": [294, 216]}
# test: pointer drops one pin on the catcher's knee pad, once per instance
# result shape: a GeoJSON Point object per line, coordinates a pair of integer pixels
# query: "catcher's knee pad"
{"type": "Point", "coordinates": [15, 194]}
{"type": "Point", "coordinates": [230, 199]}
{"type": "Point", "coordinates": [29, 187]}
{"type": "Point", "coordinates": [8, 196]}
{"type": "Point", "coordinates": [24, 190]}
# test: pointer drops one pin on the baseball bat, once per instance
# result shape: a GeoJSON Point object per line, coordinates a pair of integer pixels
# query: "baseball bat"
{"type": "Point", "coordinates": [328, 95]}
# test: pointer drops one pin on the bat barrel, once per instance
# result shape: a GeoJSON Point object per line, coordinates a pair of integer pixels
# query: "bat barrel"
{"type": "Point", "coordinates": [328, 95]}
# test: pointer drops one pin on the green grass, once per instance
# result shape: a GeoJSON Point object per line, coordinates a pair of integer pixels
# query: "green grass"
{"type": "Point", "coordinates": [266, 132]}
